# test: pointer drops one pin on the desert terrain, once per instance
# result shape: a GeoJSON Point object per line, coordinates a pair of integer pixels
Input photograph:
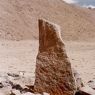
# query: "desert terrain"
{"type": "Point", "coordinates": [20, 56]}
{"type": "Point", "coordinates": [19, 36]}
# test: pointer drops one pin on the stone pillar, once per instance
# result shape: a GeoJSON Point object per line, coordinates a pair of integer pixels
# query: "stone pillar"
{"type": "Point", "coordinates": [53, 69]}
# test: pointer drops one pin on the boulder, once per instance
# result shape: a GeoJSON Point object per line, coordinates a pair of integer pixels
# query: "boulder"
{"type": "Point", "coordinates": [86, 90]}
{"type": "Point", "coordinates": [91, 84]}
{"type": "Point", "coordinates": [53, 69]}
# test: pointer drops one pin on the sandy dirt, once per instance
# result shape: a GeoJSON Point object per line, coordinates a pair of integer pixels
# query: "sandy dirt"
{"type": "Point", "coordinates": [82, 57]}
{"type": "Point", "coordinates": [20, 56]}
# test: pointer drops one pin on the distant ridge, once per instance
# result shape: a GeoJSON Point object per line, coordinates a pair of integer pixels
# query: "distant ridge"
{"type": "Point", "coordinates": [18, 19]}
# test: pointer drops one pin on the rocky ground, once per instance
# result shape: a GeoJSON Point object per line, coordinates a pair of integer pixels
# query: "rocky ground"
{"type": "Point", "coordinates": [18, 58]}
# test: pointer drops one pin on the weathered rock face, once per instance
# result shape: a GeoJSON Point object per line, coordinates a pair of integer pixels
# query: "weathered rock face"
{"type": "Point", "coordinates": [53, 70]}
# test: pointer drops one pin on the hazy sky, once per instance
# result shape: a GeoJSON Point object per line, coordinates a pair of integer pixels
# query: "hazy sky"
{"type": "Point", "coordinates": [85, 3]}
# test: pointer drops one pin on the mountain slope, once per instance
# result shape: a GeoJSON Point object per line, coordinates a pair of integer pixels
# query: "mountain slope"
{"type": "Point", "coordinates": [18, 19]}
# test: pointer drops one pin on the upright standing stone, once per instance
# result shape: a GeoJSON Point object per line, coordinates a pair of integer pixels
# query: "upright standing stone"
{"type": "Point", "coordinates": [53, 70]}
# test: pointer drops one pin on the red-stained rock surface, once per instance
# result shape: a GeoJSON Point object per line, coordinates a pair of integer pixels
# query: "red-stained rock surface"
{"type": "Point", "coordinates": [53, 69]}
